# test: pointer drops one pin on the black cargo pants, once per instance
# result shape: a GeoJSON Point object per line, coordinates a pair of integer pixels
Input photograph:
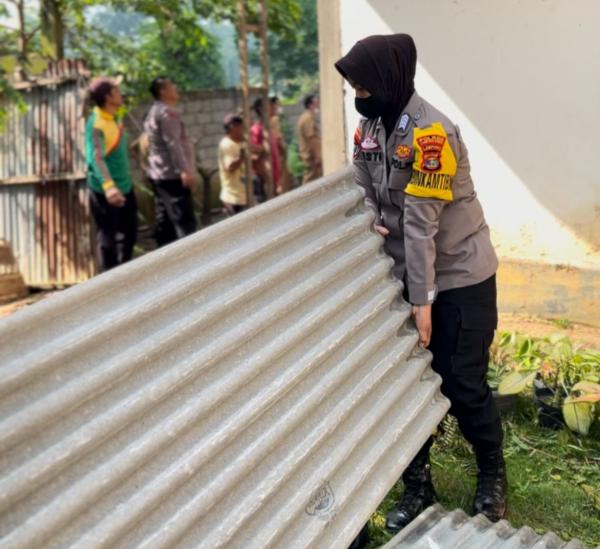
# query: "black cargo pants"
{"type": "Point", "coordinates": [116, 229]}
{"type": "Point", "coordinates": [174, 210]}
{"type": "Point", "coordinates": [463, 324]}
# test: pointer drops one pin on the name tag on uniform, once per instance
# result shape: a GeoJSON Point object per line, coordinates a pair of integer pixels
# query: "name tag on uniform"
{"type": "Point", "coordinates": [371, 150]}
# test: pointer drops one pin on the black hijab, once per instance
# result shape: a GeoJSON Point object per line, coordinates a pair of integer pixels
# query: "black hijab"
{"type": "Point", "coordinates": [385, 66]}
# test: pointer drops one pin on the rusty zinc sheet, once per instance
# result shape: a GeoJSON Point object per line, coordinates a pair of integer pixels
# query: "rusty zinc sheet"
{"type": "Point", "coordinates": [440, 529]}
{"type": "Point", "coordinates": [255, 385]}
{"type": "Point", "coordinates": [49, 231]}
{"type": "Point", "coordinates": [44, 212]}
{"type": "Point", "coordinates": [46, 141]}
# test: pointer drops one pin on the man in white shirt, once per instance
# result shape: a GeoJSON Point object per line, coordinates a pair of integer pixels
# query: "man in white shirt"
{"type": "Point", "coordinates": [231, 166]}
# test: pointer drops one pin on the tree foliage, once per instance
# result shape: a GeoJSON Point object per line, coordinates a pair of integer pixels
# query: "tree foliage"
{"type": "Point", "coordinates": [140, 47]}
{"type": "Point", "coordinates": [136, 38]}
{"type": "Point", "coordinates": [294, 59]}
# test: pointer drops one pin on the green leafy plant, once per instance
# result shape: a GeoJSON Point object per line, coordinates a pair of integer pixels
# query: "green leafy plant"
{"type": "Point", "coordinates": [570, 374]}
{"type": "Point", "coordinates": [580, 407]}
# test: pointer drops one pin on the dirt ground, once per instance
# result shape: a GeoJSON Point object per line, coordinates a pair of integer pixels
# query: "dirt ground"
{"type": "Point", "coordinates": [9, 308]}
{"type": "Point", "coordinates": [587, 336]}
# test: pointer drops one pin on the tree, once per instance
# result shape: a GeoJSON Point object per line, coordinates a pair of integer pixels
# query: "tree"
{"type": "Point", "coordinates": [52, 27]}
{"type": "Point", "coordinates": [140, 48]}
{"type": "Point", "coordinates": [172, 38]}
{"type": "Point", "coordinates": [294, 59]}
{"type": "Point", "coordinates": [16, 55]}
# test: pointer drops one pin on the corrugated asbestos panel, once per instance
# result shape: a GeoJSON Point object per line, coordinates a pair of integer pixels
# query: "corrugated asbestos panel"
{"type": "Point", "coordinates": [440, 529]}
{"type": "Point", "coordinates": [48, 228]}
{"type": "Point", "coordinates": [254, 385]}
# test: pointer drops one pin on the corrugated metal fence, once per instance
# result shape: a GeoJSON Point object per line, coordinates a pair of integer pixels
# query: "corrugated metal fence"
{"type": "Point", "coordinates": [254, 385]}
{"type": "Point", "coordinates": [43, 205]}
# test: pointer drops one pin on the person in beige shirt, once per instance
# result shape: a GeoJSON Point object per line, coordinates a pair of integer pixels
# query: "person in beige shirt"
{"type": "Point", "coordinates": [309, 139]}
{"type": "Point", "coordinates": [231, 166]}
{"type": "Point", "coordinates": [282, 183]}
{"type": "Point", "coordinates": [413, 165]}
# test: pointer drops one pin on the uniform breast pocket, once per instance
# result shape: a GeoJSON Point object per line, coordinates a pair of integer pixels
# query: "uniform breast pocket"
{"type": "Point", "coordinates": [399, 178]}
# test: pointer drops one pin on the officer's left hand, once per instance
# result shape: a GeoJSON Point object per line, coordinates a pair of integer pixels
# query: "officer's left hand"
{"type": "Point", "coordinates": [422, 315]}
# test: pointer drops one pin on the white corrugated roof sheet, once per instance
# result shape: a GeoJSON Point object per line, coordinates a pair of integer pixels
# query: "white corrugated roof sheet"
{"type": "Point", "coordinates": [254, 385]}
{"type": "Point", "coordinates": [436, 528]}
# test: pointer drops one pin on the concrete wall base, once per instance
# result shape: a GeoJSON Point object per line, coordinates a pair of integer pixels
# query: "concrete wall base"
{"type": "Point", "coordinates": [550, 291]}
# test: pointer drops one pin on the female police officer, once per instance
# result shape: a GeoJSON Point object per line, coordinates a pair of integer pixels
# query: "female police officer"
{"type": "Point", "coordinates": [413, 165]}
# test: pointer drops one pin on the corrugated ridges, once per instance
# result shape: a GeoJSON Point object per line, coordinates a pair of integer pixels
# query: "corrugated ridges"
{"type": "Point", "coordinates": [441, 529]}
{"type": "Point", "coordinates": [250, 386]}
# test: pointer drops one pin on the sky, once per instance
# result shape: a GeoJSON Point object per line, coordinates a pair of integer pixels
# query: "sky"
{"type": "Point", "coordinates": [11, 21]}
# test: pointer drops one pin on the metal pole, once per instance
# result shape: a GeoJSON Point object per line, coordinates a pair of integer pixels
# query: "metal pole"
{"type": "Point", "coordinates": [245, 83]}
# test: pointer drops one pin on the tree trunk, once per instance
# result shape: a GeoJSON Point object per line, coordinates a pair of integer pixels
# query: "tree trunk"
{"type": "Point", "coordinates": [53, 30]}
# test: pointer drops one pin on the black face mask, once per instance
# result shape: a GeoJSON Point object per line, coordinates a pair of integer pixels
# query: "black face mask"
{"type": "Point", "coordinates": [370, 107]}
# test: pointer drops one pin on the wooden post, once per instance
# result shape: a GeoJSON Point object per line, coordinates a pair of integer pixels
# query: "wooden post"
{"type": "Point", "coordinates": [245, 83]}
{"type": "Point", "coordinates": [266, 118]}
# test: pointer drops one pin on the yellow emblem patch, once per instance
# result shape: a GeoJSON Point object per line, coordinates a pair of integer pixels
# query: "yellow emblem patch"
{"type": "Point", "coordinates": [111, 130]}
{"type": "Point", "coordinates": [434, 165]}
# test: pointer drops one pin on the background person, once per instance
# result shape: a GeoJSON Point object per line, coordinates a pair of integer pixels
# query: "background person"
{"type": "Point", "coordinates": [232, 157]}
{"type": "Point", "coordinates": [112, 199]}
{"type": "Point", "coordinates": [309, 139]}
{"type": "Point", "coordinates": [171, 164]}
{"type": "Point", "coordinates": [259, 154]}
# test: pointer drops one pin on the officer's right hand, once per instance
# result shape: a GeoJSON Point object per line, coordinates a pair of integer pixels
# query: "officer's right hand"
{"type": "Point", "coordinates": [422, 316]}
{"type": "Point", "coordinates": [115, 197]}
{"type": "Point", "coordinates": [381, 230]}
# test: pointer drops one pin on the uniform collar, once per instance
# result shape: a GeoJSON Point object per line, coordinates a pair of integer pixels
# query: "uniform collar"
{"type": "Point", "coordinates": [413, 114]}
{"type": "Point", "coordinates": [103, 114]}
{"type": "Point", "coordinates": [163, 105]}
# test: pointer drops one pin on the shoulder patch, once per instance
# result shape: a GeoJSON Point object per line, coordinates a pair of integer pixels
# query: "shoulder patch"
{"type": "Point", "coordinates": [434, 166]}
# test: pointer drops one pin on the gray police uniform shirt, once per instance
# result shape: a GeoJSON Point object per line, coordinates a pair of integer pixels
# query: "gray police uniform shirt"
{"type": "Point", "coordinates": [170, 150]}
{"type": "Point", "coordinates": [438, 235]}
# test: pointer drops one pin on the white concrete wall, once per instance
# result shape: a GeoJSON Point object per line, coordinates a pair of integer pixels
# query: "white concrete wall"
{"type": "Point", "coordinates": [522, 80]}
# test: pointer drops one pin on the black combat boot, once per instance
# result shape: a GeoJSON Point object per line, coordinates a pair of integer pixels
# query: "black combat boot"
{"type": "Point", "coordinates": [418, 493]}
{"type": "Point", "coordinates": [490, 497]}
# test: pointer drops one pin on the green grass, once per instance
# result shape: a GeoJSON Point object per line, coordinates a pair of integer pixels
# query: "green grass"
{"type": "Point", "coordinates": [554, 479]}
{"type": "Point", "coordinates": [563, 323]}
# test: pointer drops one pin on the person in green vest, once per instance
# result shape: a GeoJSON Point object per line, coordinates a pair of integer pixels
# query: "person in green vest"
{"type": "Point", "coordinates": [112, 198]}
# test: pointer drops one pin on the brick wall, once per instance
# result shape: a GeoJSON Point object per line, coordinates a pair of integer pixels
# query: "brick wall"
{"type": "Point", "coordinates": [203, 112]}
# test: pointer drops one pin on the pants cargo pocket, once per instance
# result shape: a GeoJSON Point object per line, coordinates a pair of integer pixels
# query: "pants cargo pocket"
{"type": "Point", "coordinates": [475, 335]}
